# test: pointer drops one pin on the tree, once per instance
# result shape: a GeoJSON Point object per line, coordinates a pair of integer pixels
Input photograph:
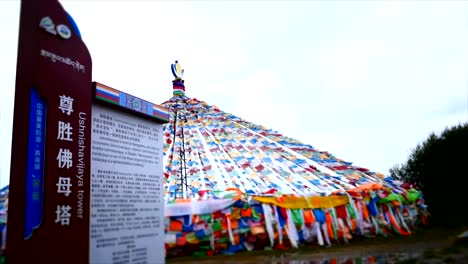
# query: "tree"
{"type": "Point", "coordinates": [439, 168]}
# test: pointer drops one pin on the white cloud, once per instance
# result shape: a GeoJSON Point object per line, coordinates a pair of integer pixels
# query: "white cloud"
{"type": "Point", "coordinates": [348, 64]}
{"type": "Point", "coordinates": [8, 52]}
{"type": "Point", "coordinates": [252, 98]}
{"type": "Point", "coordinates": [391, 9]}
{"type": "Point", "coordinates": [364, 81]}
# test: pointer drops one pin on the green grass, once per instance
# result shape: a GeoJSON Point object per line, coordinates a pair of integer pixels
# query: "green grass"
{"type": "Point", "coordinates": [450, 250]}
{"type": "Point", "coordinates": [449, 259]}
{"type": "Point", "coordinates": [430, 253]}
{"type": "Point", "coordinates": [408, 261]}
{"type": "Point", "coordinates": [443, 236]}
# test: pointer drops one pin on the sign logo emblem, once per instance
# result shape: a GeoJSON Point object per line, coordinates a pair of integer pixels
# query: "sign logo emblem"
{"type": "Point", "coordinates": [47, 24]}
{"type": "Point", "coordinates": [63, 31]}
{"type": "Point", "coordinates": [136, 104]}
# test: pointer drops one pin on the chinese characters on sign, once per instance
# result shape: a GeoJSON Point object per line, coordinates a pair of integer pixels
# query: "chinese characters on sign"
{"type": "Point", "coordinates": [64, 186]}
{"type": "Point", "coordinates": [35, 167]}
{"type": "Point", "coordinates": [64, 160]}
{"type": "Point", "coordinates": [127, 223]}
{"type": "Point", "coordinates": [48, 213]}
{"type": "Point", "coordinates": [66, 104]}
{"type": "Point", "coordinates": [63, 214]}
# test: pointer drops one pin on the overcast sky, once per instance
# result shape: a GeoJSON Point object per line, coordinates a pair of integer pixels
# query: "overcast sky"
{"type": "Point", "coordinates": [363, 80]}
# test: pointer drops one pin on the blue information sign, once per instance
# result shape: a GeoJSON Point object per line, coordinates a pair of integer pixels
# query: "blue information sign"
{"type": "Point", "coordinates": [35, 164]}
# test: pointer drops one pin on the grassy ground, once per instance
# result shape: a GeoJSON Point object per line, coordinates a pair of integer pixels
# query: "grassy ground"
{"type": "Point", "coordinates": [428, 245]}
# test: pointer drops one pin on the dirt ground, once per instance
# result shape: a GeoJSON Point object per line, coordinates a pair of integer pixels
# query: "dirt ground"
{"type": "Point", "coordinates": [429, 245]}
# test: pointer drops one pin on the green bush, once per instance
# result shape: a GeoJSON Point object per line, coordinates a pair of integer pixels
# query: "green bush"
{"type": "Point", "coordinates": [438, 167]}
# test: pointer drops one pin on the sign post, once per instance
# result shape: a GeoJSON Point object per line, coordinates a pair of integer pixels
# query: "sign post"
{"type": "Point", "coordinates": [58, 112]}
{"type": "Point", "coordinates": [127, 208]}
{"type": "Point", "coordinates": [48, 215]}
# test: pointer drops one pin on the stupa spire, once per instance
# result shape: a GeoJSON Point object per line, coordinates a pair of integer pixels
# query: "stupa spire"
{"type": "Point", "coordinates": [178, 83]}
